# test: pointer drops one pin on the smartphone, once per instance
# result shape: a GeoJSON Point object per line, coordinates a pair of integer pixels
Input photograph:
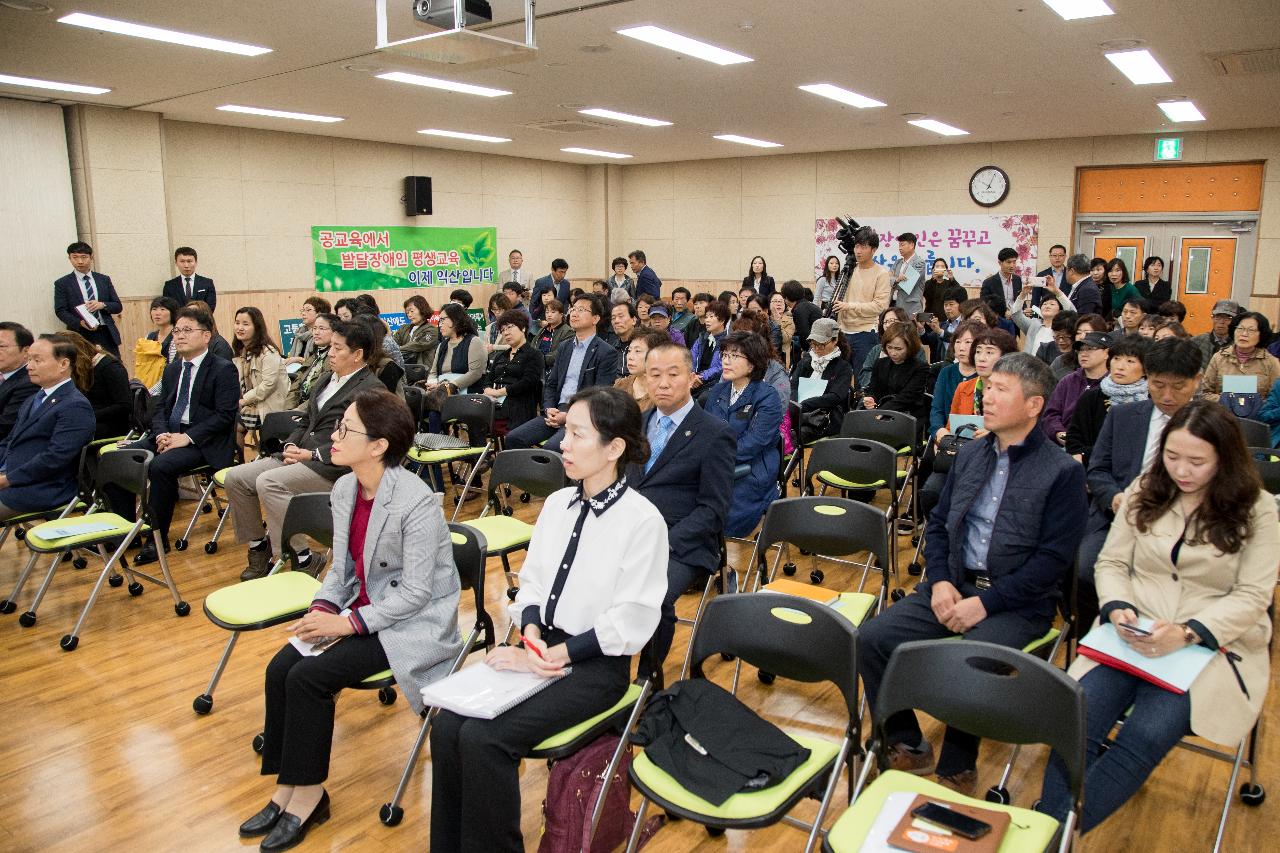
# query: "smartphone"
{"type": "Point", "coordinates": [1134, 629]}
{"type": "Point", "coordinates": [925, 317]}
{"type": "Point", "coordinates": [960, 824]}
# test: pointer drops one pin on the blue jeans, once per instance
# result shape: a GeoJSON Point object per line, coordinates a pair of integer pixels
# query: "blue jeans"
{"type": "Point", "coordinates": [860, 343]}
{"type": "Point", "coordinates": [1158, 721]}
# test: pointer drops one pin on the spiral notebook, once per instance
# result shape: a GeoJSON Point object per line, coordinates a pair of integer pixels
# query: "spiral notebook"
{"type": "Point", "coordinates": [483, 692]}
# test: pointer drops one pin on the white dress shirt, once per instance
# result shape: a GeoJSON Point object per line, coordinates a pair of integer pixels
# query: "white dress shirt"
{"type": "Point", "coordinates": [1155, 428]}
{"type": "Point", "coordinates": [335, 383]}
{"type": "Point", "coordinates": [195, 371]}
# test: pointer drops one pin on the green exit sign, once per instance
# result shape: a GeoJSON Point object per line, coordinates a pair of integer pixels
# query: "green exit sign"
{"type": "Point", "coordinates": [1169, 148]}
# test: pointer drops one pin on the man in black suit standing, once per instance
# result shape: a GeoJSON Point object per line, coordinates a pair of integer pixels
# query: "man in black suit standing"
{"type": "Point", "coordinates": [15, 383]}
{"type": "Point", "coordinates": [187, 286]}
{"type": "Point", "coordinates": [95, 292]}
{"type": "Point", "coordinates": [689, 478]}
{"type": "Point", "coordinates": [999, 290]}
{"type": "Point", "coordinates": [1058, 269]}
{"type": "Point", "coordinates": [192, 425]}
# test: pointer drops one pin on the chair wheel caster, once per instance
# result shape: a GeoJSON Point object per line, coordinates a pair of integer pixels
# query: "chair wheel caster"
{"type": "Point", "coordinates": [915, 540]}
{"type": "Point", "coordinates": [26, 620]}
{"type": "Point", "coordinates": [998, 794]}
{"type": "Point", "coordinates": [182, 608]}
{"type": "Point", "coordinates": [507, 511]}
{"type": "Point", "coordinates": [206, 509]}
{"type": "Point", "coordinates": [387, 695]}
{"type": "Point", "coordinates": [513, 592]}
{"type": "Point", "coordinates": [211, 547]}
{"type": "Point", "coordinates": [525, 497]}
{"type": "Point", "coordinates": [715, 831]}
{"type": "Point", "coordinates": [804, 553]}
{"type": "Point", "coordinates": [898, 595]}
{"type": "Point", "coordinates": [80, 563]}
{"type": "Point", "coordinates": [19, 534]}
{"type": "Point", "coordinates": [1252, 794]}
{"type": "Point", "coordinates": [766, 677]}
{"type": "Point", "coordinates": [7, 606]}
{"type": "Point", "coordinates": [390, 815]}
{"type": "Point", "coordinates": [789, 569]}
{"type": "Point", "coordinates": [180, 545]}
{"type": "Point", "coordinates": [258, 743]}
{"type": "Point", "coordinates": [202, 704]}
{"type": "Point", "coordinates": [222, 512]}
{"type": "Point", "coordinates": [816, 576]}
{"type": "Point", "coordinates": [135, 588]}
{"type": "Point", "coordinates": [69, 643]}
{"type": "Point", "coordinates": [726, 657]}
{"type": "Point", "coordinates": [915, 569]}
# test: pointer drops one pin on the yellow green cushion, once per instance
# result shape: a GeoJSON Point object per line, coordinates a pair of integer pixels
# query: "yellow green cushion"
{"type": "Point", "coordinates": [32, 516]}
{"type": "Point", "coordinates": [262, 599]}
{"type": "Point", "coordinates": [841, 483]}
{"type": "Point", "coordinates": [379, 676]}
{"type": "Point", "coordinates": [740, 806]}
{"type": "Point", "coordinates": [855, 606]}
{"type": "Point", "coordinates": [431, 457]}
{"type": "Point", "coordinates": [119, 527]}
{"type": "Point", "coordinates": [1035, 645]}
{"type": "Point", "coordinates": [501, 532]}
{"type": "Point", "coordinates": [1028, 831]}
{"type": "Point", "coordinates": [109, 448]}
{"type": "Point", "coordinates": [220, 477]}
{"type": "Point", "coordinates": [570, 734]}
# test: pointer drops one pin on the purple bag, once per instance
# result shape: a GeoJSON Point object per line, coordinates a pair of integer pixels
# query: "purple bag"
{"type": "Point", "coordinates": [572, 793]}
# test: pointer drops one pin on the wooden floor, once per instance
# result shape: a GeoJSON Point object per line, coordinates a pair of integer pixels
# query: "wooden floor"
{"type": "Point", "coordinates": [100, 749]}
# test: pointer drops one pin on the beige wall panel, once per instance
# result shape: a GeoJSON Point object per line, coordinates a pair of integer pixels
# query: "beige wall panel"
{"type": "Point", "coordinates": [1053, 204]}
{"type": "Point", "coordinates": [564, 181]}
{"type": "Point", "coordinates": [1266, 275]}
{"type": "Point", "coordinates": [778, 216]}
{"type": "Point", "coordinates": [205, 205]}
{"type": "Point", "coordinates": [510, 177]}
{"type": "Point", "coordinates": [787, 258]}
{"type": "Point", "coordinates": [661, 255]}
{"type": "Point", "coordinates": [1117, 150]}
{"type": "Point", "coordinates": [80, 198]}
{"type": "Point", "coordinates": [858, 205]}
{"type": "Point", "coordinates": [1042, 162]}
{"type": "Point", "coordinates": [121, 139]}
{"type": "Point", "coordinates": [288, 209]}
{"type": "Point", "coordinates": [222, 258]}
{"type": "Point", "coordinates": [1262, 144]}
{"type": "Point", "coordinates": [939, 201]}
{"type": "Point", "coordinates": [464, 210]}
{"type": "Point", "coordinates": [705, 258]}
{"type": "Point", "coordinates": [647, 219]}
{"type": "Point", "coordinates": [1269, 225]}
{"type": "Point", "coordinates": [942, 167]}
{"type": "Point", "coordinates": [201, 150]}
{"type": "Point", "coordinates": [356, 205]}
{"type": "Point", "coordinates": [710, 178]}
{"type": "Point", "coordinates": [137, 263]}
{"type": "Point", "coordinates": [273, 157]}
{"type": "Point", "coordinates": [708, 217]}
{"type": "Point", "coordinates": [786, 175]}
{"type": "Point", "coordinates": [279, 263]}
{"type": "Point", "coordinates": [128, 202]}
{"type": "Point", "coordinates": [515, 218]}
{"type": "Point", "coordinates": [562, 219]}
{"type": "Point", "coordinates": [70, 118]}
{"type": "Point", "coordinates": [358, 163]}
{"type": "Point", "coordinates": [450, 171]}
{"type": "Point", "coordinates": [581, 266]}
{"type": "Point", "coordinates": [648, 181]}
{"type": "Point", "coordinates": [858, 171]}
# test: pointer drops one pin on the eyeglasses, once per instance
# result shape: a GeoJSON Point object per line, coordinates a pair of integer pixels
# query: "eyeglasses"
{"type": "Point", "coordinates": [1248, 330]}
{"type": "Point", "coordinates": [578, 309]}
{"type": "Point", "coordinates": [188, 330]}
{"type": "Point", "coordinates": [731, 355]}
{"type": "Point", "coordinates": [343, 429]}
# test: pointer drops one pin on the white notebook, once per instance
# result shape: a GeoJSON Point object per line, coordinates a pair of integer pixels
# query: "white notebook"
{"type": "Point", "coordinates": [483, 692]}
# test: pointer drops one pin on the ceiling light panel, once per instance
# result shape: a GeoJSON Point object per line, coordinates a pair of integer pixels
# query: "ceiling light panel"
{"type": "Point", "coordinates": [1181, 111]}
{"type": "Point", "coordinates": [844, 96]}
{"type": "Point", "coordinates": [457, 134]}
{"type": "Point", "coordinates": [438, 83]}
{"type": "Point", "coordinates": [591, 152]}
{"type": "Point", "coordinates": [125, 28]}
{"type": "Point", "coordinates": [938, 127]}
{"type": "Point", "coordinates": [1139, 66]}
{"type": "Point", "coordinates": [1073, 10]}
{"type": "Point", "coordinates": [600, 112]}
{"type": "Point", "coordinates": [683, 44]}
{"type": "Point", "coordinates": [747, 140]}
{"type": "Point", "coordinates": [262, 111]}
{"type": "Point", "coordinates": [33, 83]}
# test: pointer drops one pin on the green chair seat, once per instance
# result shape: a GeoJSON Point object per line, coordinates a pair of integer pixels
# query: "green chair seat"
{"type": "Point", "coordinates": [1047, 640]}
{"type": "Point", "coordinates": [120, 526]}
{"type": "Point", "coordinates": [40, 514]}
{"type": "Point", "coordinates": [262, 601]}
{"type": "Point", "coordinates": [435, 457]}
{"type": "Point", "coordinates": [220, 477]}
{"type": "Point", "coordinates": [841, 483]}
{"type": "Point", "coordinates": [574, 732]}
{"type": "Point", "coordinates": [739, 807]}
{"type": "Point", "coordinates": [501, 532]}
{"type": "Point", "coordinates": [855, 606]}
{"type": "Point", "coordinates": [372, 681]}
{"type": "Point", "coordinates": [1028, 831]}
{"type": "Point", "coordinates": [109, 448]}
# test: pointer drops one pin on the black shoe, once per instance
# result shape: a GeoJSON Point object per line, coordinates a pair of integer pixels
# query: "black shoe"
{"type": "Point", "coordinates": [147, 555]}
{"type": "Point", "coordinates": [263, 822]}
{"type": "Point", "coordinates": [290, 829]}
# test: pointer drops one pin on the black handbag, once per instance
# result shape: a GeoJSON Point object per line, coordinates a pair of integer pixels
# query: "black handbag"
{"type": "Point", "coordinates": [949, 447]}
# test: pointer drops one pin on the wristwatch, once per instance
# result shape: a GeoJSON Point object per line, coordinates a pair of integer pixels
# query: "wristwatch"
{"type": "Point", "coordinates": [1189, 636]}
{"type": "Point", "coordinates": [315, 454]}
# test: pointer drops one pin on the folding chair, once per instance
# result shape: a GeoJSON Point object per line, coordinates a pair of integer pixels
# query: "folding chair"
{"type": "Point", "coordinates": [991, 691]}
{"type": "Point", "coordinates": [470, 412]}
{"type": "Point", "coordinates": [468, 556]}
{"type": "Point", "coordinates": [415, 398]}
{"type": "Point", "coordinates": [1266, 460]}
{"type": "Point", "coordinates": [413, 374]}
{"type": "Point", "coordinates": [83, 497]}
{"type": "Point", "coordinates": [900, 431]}
{"type": "Point", "coordinates": [126, 468]}
{"type": "Point", "coordinates": [1256, 433]}
{"type": "Point", "coordinates": [278, 597]}
{"type": "Point", "coordinates": [795, 638]}
{"type": "Point", "coordinates": [536, 472]}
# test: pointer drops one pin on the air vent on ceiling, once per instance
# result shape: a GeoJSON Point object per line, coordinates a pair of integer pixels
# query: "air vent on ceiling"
{"type": "Point", "coordinates": [568, 125]}
{"type": "Point", "coordinates": [1246, 62]}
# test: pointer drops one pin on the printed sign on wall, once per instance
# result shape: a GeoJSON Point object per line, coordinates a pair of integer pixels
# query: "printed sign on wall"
{"type": "Point", "coordinates": [362, 257]}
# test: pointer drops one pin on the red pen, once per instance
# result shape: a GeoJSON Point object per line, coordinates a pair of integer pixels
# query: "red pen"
{"type": "Point", "coordinates": [532, 648]}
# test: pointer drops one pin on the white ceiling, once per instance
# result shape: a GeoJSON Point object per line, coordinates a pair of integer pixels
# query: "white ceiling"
{"type": "Point", "coordinates": [1002, 69]}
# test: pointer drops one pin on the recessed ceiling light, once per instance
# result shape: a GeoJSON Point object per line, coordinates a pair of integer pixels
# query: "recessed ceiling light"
{"type": "Point", "coordinates": [124, 28]}
{"type": "Point", "coordinates": [844, 96]}
{"type": "Point", "coordinates": [22, 6]}
{"type": "Point", "coordinates": [457, 134]}
{"type": "Point", "coordinates": [747, 140]}
{"type": "Point", "coordinates": [627, 117]}
{"type": "Point", "coordinates": [938, 127]}
{"type": "Point", "coordinates": [31, 82]}
{"type": "Point", "coordinates": [591, 152]}
{"type": "Point", "coordinates": [683, 44]}
{"type": "Point", "coordinates": [1139, 66]}
{"type": "Point", "coordinates": [1181, 111]}
{"type": "Point", "coordinates": [261, 111]}
{"type": "Point", "coordinates": [437, 83]}
{"type": "Point", "coordinates": [1072, 10]}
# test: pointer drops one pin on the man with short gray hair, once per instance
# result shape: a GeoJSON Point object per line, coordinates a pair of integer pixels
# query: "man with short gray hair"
{"type": "Point", "coordinates": [1081, 287]}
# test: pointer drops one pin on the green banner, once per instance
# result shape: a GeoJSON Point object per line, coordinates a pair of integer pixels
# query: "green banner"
{"type": "Point", "coordinates": [363, 257]}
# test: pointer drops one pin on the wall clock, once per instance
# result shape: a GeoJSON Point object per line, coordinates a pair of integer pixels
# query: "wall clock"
{"type": "Point", "coordinates": [989, 186]}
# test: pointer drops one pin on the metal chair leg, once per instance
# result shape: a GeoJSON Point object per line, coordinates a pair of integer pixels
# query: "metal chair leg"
{"type": "Point", "coordinates": [634, 841]}
{"type": "Point", "coordinates": [598, 810]}
{"type": "Point", "coordinates": [195, 514]}
{"type": "Point", "coordinates": [70, 641]}
{"type": "Point", "coordinates": [1226, 801]}
{"type": "Point", "coordinates": [203, 703]}
{"type": "Point", "coordinates": [30, 615]}
{"type": "Point", "coordinates": [11, 603]}
{"type": "Point", "coordinates": [168, 579]}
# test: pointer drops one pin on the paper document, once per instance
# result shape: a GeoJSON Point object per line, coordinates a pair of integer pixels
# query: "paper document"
{"type": "Point", "coordinates": [1176, 670]}
{"type": "Point", "coordinates": [956, 421]}
{"type": "Point", "coordinates": [88, 316]}
{"type": "Point", "coordinates": [483, 692]}
{"type": "Point", "coordinates": [1239, 385]}
{"type": "Point", "coordinates": [310, 650]}
{"type": "Point", "coordinates": [62, 531]}
{"type": "Point", "coordinates": [449, 377]}
{"type": "Point", "coordinates": [891, 812]}
{"type": "Point", "coordinates": [810, 387]}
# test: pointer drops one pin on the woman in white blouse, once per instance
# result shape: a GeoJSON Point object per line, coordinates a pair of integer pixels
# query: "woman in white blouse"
{"type": "Point", "coordinates": [591, 590]}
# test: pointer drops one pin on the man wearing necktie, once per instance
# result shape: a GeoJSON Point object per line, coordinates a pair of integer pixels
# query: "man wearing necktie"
{"type": "Point", "coordinates": [82, 288]}
{"type": "Point", "coordinates": [192, 425]}
{"type": "Point", "coordinates": [188, 286]}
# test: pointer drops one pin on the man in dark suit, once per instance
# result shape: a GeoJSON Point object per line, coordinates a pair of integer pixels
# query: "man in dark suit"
{"type": "Point", "coordinates": [304, 465]}
{"type": "Point", "coordinates": [689, 478]}
{"type": "Point", "coordinates": [1058, 269]}
{"type": "Point", "coordinates": [38, 460]}
{"type": "Point", "coordinates": [95, 292]}
{"type": "Point", "coordinates": [192, 426]}
{"type": "Point", "coordinates": [647, 280]}
{"type": "Point", "coordinates": [15, 383]}
{"type": "Point", "coordinates": [1126, 446]}
{"type": "Point", "coordinates": [1080, 286]}
{"type": "Point", "coordinates": [557, 282]}
{"type": "Point", "coordinates": [187, 286]}
{"type": "Point", "coordinates": [999, 290]}
{"type": "Point", "coordinates": [581, 361]}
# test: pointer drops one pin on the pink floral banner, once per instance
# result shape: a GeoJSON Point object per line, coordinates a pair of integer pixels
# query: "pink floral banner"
{"type": "Point", "coordinates": [968, 243]}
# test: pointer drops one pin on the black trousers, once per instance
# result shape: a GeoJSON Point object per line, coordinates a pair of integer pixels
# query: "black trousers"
{"type": "Point", "coordinates": [912, 619]}
{"type": "Point", "coordinates": [532, 431]}
{"type": "Point", "coordinates": [679, 578]}
{"type": "Point", "coordinates": [102, 337]}
{"type": "Point", "coordinates": [166, 468]}
{"type": "Point", "coordinates": [300, 691]}
{"type": "Point", "coordinates": [475, 764]}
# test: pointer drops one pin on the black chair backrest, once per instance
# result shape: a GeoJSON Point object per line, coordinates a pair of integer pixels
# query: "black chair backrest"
{"type": "Point", "coordinates": [276, 427]}
{"type": "Point", "coordinates": [990, 691]}
{"type": "Point", "coordinates": [414, 372]}
{"type": "Point", "coordinates": [469, 548]}
{"type": "Point", "coordinates": [534, 470]}
{"type": "Point", "coordinates": [125, 468]}
{"type": "Point", "coordinates": [472, 411]}
{"type": "Point", "coordinates": [830, 526]}
{"type": "Point", "coordinates": [143, 406]}
{"type": "Point", "coordinates": [1256, 433]}
{"type": "Point", "coordinates": [792, 637]}
{"type": "Point", "coordinates": [416, 398]}
{"type": "Point", "coordinates": [857, 460]}
{"type": "Point", "coordinates": [311, 515]}
{"type": "Point", "coordinates": [1267, 462]}
{"type": "Point", "coordinates": [896, 429]}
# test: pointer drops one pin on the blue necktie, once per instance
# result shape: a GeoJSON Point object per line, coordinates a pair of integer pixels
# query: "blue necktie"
{"type": "Point", "coordinates": [184, 397]}
{"type": "Point", "coordinates": [41, 396]}
{"type": "Point", "coordinates": [666, 426]}
{"type": "Point", "coordinates": [88, 288]}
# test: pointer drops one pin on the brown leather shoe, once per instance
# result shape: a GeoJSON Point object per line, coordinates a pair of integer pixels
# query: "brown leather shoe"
{"type": "Point", "coordinates": [316, 564]}
{"type": "Point", "coordinates": [259, 564]}
{"type": "Point", "coordinates": [965, 782]}
{"type": "Point", "coordinates": [917, 761]}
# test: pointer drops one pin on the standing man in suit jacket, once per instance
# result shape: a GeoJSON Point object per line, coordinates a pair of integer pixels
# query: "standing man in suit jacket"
{"type": "Point", "coordinates": [557, 282]}
{"type": "Point", "coordinates": [1058, 269]}
{"type": "Point", "coordinates": [999, 290]}
{"type": "Point", "coordinates": [95, 292]}
{"type": "Point", "coordinates": [15, 382]}
{"type": "Point", "coordinates": [647, 280]}
{"type": "Point", "coordinates": [305, 464]}
{"type": "Point", "coordinates": [582, 361]}
{"type": "Point", "coordinates": [907, 276]}
{"type": "Point", "coordinates": [192, 425]}
{"type": "Point", "coordinates": [40, 457]}
{"type": "Point", "coordinates": [688, 477]}
{"type": "Point", "coordinates": [514, 271]}
{"type": "Point", "coordinates": [187, 286]}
